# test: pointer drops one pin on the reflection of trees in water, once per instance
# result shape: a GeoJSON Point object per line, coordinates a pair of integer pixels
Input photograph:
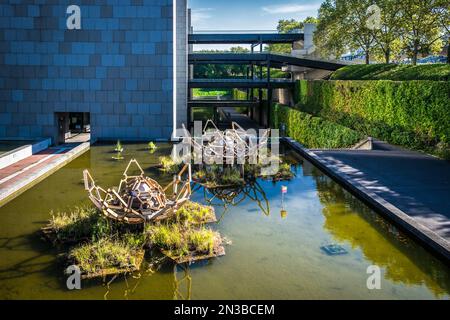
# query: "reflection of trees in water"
{"type": "Point", "coordinates": [225, 197]}
{"type": "Point", "coordinates": [349, 220]}
{"type": "Point", "coordinates": [182, 282]}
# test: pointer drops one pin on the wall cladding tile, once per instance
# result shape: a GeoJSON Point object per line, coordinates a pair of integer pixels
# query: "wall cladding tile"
{"type": "Point", "coordinates": [116, 67]}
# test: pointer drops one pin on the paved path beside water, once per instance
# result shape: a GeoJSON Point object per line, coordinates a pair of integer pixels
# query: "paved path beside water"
{"type": "Point", "coordinates": [412, 188]}
{"type": "Point", "coordinates": [23, 174]}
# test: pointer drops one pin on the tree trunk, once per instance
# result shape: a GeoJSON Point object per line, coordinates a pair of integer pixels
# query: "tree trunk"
{"type": "Point", "coordinates": [367, 57]}
{"type": "Point", "coordinates": [448, 51]}
{"type": "Point", "coordinates": [414, 58]}
{"type": "Point", "coordinates": [415, 54]}
{"type": "Point", "coordinates": [387, 56]}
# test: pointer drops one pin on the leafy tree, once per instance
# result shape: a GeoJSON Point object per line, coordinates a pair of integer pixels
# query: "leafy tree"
{"type": "Point", "coordinates": [286, 26]}
{"type": "Point", "coordinates": [221, 71]}
{"type": "Point", "coordinates": [343, 26]}
{"type": "Point", "coordinates": [330, 38]}
{"type": "Point", "coordinates": [422, 27]}
{"type": "Point", "coordinates": [444, 20]}
{"type": "Point", "coordinates": [355, 21]}
{"type": "Point", "coordinates": [387, 37]}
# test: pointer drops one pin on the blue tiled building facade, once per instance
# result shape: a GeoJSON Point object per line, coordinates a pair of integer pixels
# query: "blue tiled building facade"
{"type": "Point", "coordinates": [117, 69]}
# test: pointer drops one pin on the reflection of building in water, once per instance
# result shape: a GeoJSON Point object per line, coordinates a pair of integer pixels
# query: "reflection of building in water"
{"type": "Point", "coordinates": [349, 220]}
{"type": "Point", "coordinates": [225, 197]}
{"type": "Point", "coordinates": [308, 168]}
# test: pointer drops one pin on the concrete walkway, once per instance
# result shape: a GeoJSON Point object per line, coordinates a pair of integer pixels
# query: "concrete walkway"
{"type": "Point", "coordinates": [23, 174]}
{"type": "Point", "coordinates": [411, 188]}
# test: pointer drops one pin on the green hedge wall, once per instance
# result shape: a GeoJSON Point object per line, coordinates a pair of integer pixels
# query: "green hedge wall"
{"type": "Point", "coordinates": [436, 72]}
{"type": "Point", "coordinates": [414, 114]}
{"type": "Point", "coordinates": [313, 132]}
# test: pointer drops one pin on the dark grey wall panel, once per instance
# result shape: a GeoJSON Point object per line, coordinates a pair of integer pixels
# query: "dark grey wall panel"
{"type": "Point", "coordinates": [118, 67]}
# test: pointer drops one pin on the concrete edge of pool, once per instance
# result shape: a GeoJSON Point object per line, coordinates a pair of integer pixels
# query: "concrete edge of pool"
{"type": "Point", "coordinates": [439, 245]}
{"type": "Point", "coordinates": [22, 181]}
{"type": "Point", "coordinates": [19, 153]}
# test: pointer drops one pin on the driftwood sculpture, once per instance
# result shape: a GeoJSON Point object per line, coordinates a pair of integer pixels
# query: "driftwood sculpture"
{"type": "Point", "coordinates": [138, 198]}
{"type": "Point", "coordinates": [229, 146]}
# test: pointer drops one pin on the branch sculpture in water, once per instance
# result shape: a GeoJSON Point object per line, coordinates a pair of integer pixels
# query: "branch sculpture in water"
{"type": "Point", "coordinates": [138, 198]}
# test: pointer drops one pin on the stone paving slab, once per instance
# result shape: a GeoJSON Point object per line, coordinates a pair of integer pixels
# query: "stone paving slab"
{"type": "Point", "coordinates": [410, 188]}
{"type": "Point", "coordinates": [23, 174]}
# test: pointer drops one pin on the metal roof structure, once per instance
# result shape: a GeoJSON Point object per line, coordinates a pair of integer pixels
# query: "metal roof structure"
{"type": "Point", "coordinates": [275, 60]}
{"type": "Point", "coordinates": [243, 38]}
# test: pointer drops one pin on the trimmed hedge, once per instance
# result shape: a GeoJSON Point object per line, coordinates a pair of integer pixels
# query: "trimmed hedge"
{"type": "Point", "coordinates": [313, 132]}
{"type": "Point", "coordinates": [436, 72]}
{"type": "Point", "coordinates": [414, 114]}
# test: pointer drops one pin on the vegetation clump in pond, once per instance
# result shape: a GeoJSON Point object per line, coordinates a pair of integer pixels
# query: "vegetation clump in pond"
{"type": "Point", "coordinates": [151, 146]}
{"type": "Point", "coordinates": [284, 173]}
{"type": "Point", "coordinates": [107, 256]}
{"type": "Point", "coordinates": [215, 176]}
{"type": "Point", "coordinates": [186, 244]}
{"type": "Point", "coordinates": [71, 227]}
{"type": "Point", "coordinates": [195, 213]}
{"type": "Point", "coordinates": [168, 165]}
{"type": "Point", "coordinates": [102, 247]}
{"type": "Point", "coordinates": [119, 147]}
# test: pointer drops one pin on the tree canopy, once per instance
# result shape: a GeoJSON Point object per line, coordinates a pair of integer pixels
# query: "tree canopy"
{"type": "Point", "coordinates": [382, 28]}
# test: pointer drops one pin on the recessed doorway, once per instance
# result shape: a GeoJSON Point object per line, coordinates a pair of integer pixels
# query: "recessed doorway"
{"type": "Point", "coordinates": [73, 127]}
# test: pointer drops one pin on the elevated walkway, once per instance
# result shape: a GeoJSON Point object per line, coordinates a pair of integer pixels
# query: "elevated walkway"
{"type": "Point", "coordinates": [222, 103]}
{"type": "Point", "coordinates": [241, 83]}
{"type": "Point", "coordinates": [264, 59]}
{"type": "Point", "coordinates": [243, 38]}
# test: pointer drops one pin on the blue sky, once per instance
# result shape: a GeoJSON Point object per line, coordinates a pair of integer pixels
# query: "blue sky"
{"type": "Point", "coordinates": [248, 14]}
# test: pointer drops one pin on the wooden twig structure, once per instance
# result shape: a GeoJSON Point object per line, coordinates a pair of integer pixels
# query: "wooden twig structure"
{"type": "Point", "coordinates": [138, 198]}
{"type": "Point", "coordinates": [231, 145]}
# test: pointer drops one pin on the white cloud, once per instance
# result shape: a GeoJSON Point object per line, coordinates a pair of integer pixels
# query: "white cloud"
{"type": "Point", "coordinates": [200, 14]}
{"type": "Point", "coordinates": [291, 8]}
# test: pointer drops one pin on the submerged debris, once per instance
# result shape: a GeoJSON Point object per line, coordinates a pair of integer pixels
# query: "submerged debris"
{"type": "Point", "coordinates": [333, 249]}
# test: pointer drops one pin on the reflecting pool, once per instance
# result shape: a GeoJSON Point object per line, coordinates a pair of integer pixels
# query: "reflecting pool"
{"type": "Point", "coordinates": [271, 255]}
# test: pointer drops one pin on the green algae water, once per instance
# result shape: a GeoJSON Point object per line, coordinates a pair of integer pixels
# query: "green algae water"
{"type": "Point", "coordinates": [271, 255]}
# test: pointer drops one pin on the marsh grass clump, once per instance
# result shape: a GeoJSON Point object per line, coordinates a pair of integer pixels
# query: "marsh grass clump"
{"type": "Point", "coordinates": [74, 226]}
{"type": "Point", "coordinates": [284, 172]}
{"type": "Point", "coordinates": [82, 224]}
{"type": "Point", "coordinates": [119, 147]}
{"type": "Point", "coordinates": [118, 156]}
{"type": "Point", "coordinates": [106, 256]}
{"type": "Point", "coordinates": [202, 240]}
{"type": "Point", "coordinates": [151, 146]}
{"type": "Point", "coordinates": [168, 237]}
{"type": "Point", "coordinates": [195, 213]}
{"type": "Point", "coordinates": [215, 176]}
{"type": "Point", "coordinates": [231, 176]}
{"type": "Point", "coordinates": [184, 243]}
{"type": "Point", "coordinates": [168, 165]}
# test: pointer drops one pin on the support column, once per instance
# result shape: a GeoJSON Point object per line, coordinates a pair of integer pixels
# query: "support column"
{"type": "Point", "coordinates": [269, 94]}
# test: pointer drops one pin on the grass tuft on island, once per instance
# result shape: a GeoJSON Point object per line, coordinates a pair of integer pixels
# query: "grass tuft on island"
{"type": "Point", "coordinates": [186, 244]}
{"type": "Point", "coordinates": [100, 247]}
{"type": "Point", "coordinates": [195, 213]}
{"type": "Point", "coordinates": [107, 256]}
{"type": "Point", "coordinates": [74, 226]}
{"type": "Point", "coordinates": [215, 176]}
